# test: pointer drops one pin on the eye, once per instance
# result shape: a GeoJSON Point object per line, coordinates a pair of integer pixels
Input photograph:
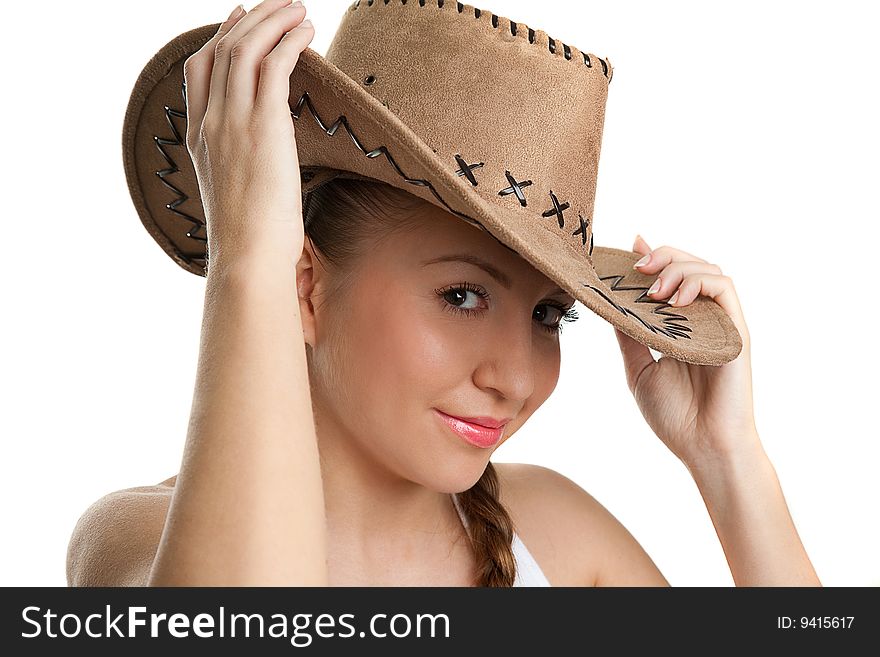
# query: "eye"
{"type": "Point", "coordinates": [456, 297]}
{"type": "Point", "coordinates": [560, 312]}
{"type": "Point", "coordinates": [455, 300]}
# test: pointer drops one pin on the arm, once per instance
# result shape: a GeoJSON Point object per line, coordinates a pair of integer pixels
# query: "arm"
{"type": "Point", "coordinates": [747, 507]}
{"type": "Point", "coordinates": [248, 504]}
{"type": "Point", "coordinates": [705, 416]}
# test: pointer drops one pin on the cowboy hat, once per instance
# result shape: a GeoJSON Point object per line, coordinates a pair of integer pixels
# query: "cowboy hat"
{"type": "Point", "coordinates": [495, 122]}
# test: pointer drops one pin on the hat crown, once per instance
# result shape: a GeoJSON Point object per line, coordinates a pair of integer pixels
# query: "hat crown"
{"type": "Point", "coordinates": [516, 113]}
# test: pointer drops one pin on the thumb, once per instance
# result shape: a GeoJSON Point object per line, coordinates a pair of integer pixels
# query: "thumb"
{"type": "Point", "coordinates": [636, 357]}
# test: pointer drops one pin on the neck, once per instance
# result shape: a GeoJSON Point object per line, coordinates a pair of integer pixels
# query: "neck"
{"type": "Point", "coordinates": [371, 509]}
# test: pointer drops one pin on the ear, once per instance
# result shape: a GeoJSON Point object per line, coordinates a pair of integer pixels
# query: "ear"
{"type": "Point", "coordinates": [306, 281]}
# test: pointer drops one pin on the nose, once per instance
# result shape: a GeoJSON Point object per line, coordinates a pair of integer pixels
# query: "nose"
{"type": "Point", "coordinates": [506, 361]}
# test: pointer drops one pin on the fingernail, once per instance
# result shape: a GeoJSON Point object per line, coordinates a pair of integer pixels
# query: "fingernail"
{"type": "Point", "coordinates": [643, 261]}
{"type": "Point", "coordinates": [298, 3]}
{"type": "Point", "coordinates": [306, 23]}
{"type": "Point", "coordinates": [673, 298]}
{"type": "Point", "coordinates": [235, 12]}
{"type": "Point", "coordinates": [654, 287]}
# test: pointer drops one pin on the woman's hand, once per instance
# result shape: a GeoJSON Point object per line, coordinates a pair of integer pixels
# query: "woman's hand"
{"type": "Point", "coordinates": [699, 411]}
{"type": "Point", "coordinates": [240, 132]}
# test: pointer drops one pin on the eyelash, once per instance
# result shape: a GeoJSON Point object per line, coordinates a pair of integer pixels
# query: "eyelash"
{"type": "Point", "coordinates": [569, 315]}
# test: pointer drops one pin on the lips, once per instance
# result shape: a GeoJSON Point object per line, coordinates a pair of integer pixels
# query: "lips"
{"type": "Point", "coordinates": [476, 433]}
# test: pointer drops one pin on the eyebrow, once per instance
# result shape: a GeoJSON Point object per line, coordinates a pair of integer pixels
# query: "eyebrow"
{"type": "Point", "coordinates": [490, 269]}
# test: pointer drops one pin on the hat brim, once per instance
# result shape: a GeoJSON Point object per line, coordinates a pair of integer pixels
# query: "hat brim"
{"type": "Point", "coordinates": [340, 127]}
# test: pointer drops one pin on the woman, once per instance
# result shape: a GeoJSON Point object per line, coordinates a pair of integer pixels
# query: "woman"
{"type": "Point", "coordinates": [345, 458]}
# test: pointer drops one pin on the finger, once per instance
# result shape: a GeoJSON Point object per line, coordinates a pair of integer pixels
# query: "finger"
{"type": "Point", "coordinates": [641, 246]}
{"type": "Point", "coordinates": [715, 286]}
{"type": "Point", "coordinates": [668, 280]}
{"type": "Point", "coordinates": [662, 256]}
{"type": "Point", "coordinates": [636, 357]}
{"type": "Point", "coordinates": [223, 53]}
{"type": "Point", "coordinates": [274, 85]}
{"type": "Point", "coordinates": [256, 47]}
{"type": "Point", "coordinates": [197, 74]}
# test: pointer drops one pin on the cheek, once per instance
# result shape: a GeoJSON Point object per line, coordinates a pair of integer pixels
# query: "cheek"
{"type": "Point", "coordinates": [400, 365]}
{"type": "Point", "coordinates": [546, 377]}
{"type": "Point", "coordinates": [550, 374]}
{"type": "Point", "coordinates": [404, 353]}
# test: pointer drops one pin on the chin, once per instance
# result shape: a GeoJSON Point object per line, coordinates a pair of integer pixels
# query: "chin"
{"type": "Point", "coordinates": [450, 472]}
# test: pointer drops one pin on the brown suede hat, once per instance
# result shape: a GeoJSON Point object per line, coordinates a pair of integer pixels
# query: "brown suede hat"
{"type": "Point", "coordinates": [491, 120]}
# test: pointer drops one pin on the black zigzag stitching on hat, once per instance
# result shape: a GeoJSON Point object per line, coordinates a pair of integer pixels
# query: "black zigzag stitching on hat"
{"type": "Point", "coordinates": [381, 150]}
{"type": "Point", "coordinates": [198, 225]}
{"type": "Point", "coordinates": [669, 327]}
{"type": "Point", "coordinates": [551, 43]}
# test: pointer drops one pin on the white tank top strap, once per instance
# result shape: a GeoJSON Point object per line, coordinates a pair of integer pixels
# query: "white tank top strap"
{"type": "Point", "coordinates": [528, 572]}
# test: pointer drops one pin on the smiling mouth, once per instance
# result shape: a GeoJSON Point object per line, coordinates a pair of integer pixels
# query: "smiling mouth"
{"type": "Point", "coordinates": [475, 434]}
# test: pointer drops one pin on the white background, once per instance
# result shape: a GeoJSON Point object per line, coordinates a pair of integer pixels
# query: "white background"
{"type": "Point", "coordinates": [744, 133]}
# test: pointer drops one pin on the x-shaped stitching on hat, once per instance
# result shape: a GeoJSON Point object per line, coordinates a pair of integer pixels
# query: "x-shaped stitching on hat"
{"type": "Point", "coordinates": [556, 209]}
{"type": "Point", "coordinates": [466, 169]}
{"type": "Point", "coordinates": [515, 188]}
{"type": "Point", "coordinates": [583, 231]}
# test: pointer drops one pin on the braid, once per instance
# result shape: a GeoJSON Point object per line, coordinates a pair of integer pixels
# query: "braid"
{"type": "Point", "coordinates": [491, 531]}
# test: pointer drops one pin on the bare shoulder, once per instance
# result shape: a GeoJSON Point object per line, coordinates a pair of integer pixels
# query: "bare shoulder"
{"type": "Point", "coordinates": [115, 539]}
{"type": "Point", "coordinates": [573, 537]}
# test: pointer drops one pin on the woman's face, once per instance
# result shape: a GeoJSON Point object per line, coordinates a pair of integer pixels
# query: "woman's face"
{"type": "Point", "coordinates": [416, 334]}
